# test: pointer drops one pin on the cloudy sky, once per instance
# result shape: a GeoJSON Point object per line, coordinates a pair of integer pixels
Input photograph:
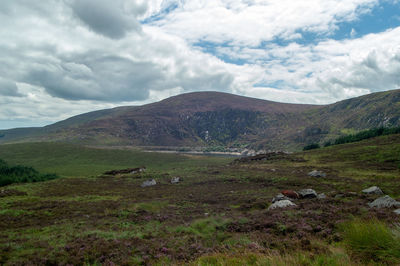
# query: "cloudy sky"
{"type": "Point", "coordinates": [59, 58]}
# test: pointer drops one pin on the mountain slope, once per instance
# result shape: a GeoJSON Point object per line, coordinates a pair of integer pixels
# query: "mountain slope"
{"type": "Point", "coordinates": [220, 119]}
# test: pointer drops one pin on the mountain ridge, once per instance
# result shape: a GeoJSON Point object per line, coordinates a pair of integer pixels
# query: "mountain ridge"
{"type": "Point", "coordinates": [219, 119]}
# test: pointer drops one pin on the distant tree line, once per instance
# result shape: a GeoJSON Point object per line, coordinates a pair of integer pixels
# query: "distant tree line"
{"type": "Point", "coordinates": [21, 174]}
{"type": "Point", "coordinates": [366, 134]}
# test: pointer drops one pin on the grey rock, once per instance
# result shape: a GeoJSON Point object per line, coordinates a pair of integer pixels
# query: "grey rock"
{"type": "Point", "coordinates": [373, 190]}
{"type": "Point", "coordinates": [175, 180]}
{"type": "Point", "coordinates": [279, 197]}
{"type": "Point", "coordinates": [316, 173]}
{"type": "Point", "coordinates": [149, 183]}
{"type": "Point", "coordinates": [321, 196]}
{"type": "Point", "coordinates": [281, 204]}
{"type": "Point", "coordinates": [384, 202]}
{"type": "Point", "coordinates": [307, 193]}
{"type": "Point", "coordinates": [397, 211]}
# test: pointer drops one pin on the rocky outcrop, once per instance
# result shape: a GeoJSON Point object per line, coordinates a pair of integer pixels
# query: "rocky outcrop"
{"type": "Point", "coordinates": [279, 197]}
{"type": "Point", "coordinates": [316, 173]}
{"type": "Point", "coordinates": [384, 202]}
{"type": "Point", "coordinates": [373, 190]}
{"type": "Point", "coordinates": [281, 204]}
{"type": "Point", "coordinates": [307, 193]}
{"type": "Point", "coordinates": [149, 183]}
{"type": "Point", "coordinates": [126, 171]}
{"type": "Point", "coordinates": [175, 180]}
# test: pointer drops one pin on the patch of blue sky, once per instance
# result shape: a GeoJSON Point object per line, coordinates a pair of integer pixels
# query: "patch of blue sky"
{"type": "Point", "coordinates": [277, 84]}
{"type": "Point", "coordinates": [212, 48]}
{"type": "Point", "coordinates": [162, 14]}
{"type": "Point", "coordinates": [381, 18]}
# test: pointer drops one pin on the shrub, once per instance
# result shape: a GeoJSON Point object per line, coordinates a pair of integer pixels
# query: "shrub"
{"type": "Point", "coordinates": [21, 174]}
{"type": "Point", "coordinates": [311, 146]}
{"type": "Point", "coordinates": [372, 241]}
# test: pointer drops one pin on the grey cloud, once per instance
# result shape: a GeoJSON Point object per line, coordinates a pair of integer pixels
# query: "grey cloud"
{"type": "Point", "coordinates": [112, 19]}
{"type": "Point", "coordinates": [8, 88]}
{"type": "Point", "coordinates": [96, 77]}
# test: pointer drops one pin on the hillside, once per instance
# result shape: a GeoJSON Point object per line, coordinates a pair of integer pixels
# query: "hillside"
{"type": "Point", "coordinates": [212, 119]}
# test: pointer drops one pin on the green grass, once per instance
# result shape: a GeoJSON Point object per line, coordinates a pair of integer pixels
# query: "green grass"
{"type": "Point", "coordinates": [372, 241]}
{"type": "Point", "coordinates": [335, 258]}
{"type": "Point", "coordinates": [70, 160]}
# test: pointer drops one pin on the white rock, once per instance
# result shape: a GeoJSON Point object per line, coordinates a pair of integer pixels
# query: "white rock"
{"type": "Point", "coordinates": [307, 193]}
{"type": "Point", "coordinates": [321, 196]}
{"type": "Point", "coordinates": [149, 183]}
{"type": "Point", "coordinates": [175, 180]}
{"type": "Point", "coordinates": [281, 204]}
{"type": "Point", "coordinates": [384, 202]}
{"type": "Point", "coordinates": [373, 190]}
{"type": "Point", "coordinates": [279, 197]}
{"type": "Point", "coordinates": [397, 211]}
{"type": "Point", "coordinates": [316, 173]}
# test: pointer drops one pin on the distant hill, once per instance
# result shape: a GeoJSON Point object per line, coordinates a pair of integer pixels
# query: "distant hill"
{"type": "Point", "coordinates": [210, 119]}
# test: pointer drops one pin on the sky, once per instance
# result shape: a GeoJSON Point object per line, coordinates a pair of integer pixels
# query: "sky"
{"type": "Point", "coordinates": [60, 58]}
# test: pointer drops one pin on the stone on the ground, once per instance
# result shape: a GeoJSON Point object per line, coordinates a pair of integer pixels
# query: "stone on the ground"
{"type": "Point", "coordinates": [281, 204]}
{"type": "Point", "coordinates": [384, 202]}
{"type": "Point", "coordinates": [321, 196]}
{"type": "Point", "coordinates": [149, 183]}
{"type": "Point", "coordinates": [290, 194]}
{"type": "Point", "coordinates": [175, 180]}
{"type": "Point", "coordinates": [307, 193]}
{"type": "Point", "coordinates": [316, 173]}
{"type": "Point", "coordinates": [373, 190]}
{"type": "Point", "coordinates": [397, 211]}
{"type": "Point", "coordinates": [279, 197]}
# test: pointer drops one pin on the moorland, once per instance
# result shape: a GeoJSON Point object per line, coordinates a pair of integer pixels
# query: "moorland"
{"type": "Point", "coordinates": [219, 213]}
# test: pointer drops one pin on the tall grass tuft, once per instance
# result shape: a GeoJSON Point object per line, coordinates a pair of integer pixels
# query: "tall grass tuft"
{"type": "Point", "coordinates": [372, 241]}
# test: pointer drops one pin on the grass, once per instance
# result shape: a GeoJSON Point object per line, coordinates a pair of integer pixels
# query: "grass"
{"type": "Point", "coordinates": [372, 240]}
{"type": "Point", "coordinates": [70, 160]}
{"type": "Point", "coordinates": [336, 258]}
{"type": "Point", "coordinates": [84, 218]}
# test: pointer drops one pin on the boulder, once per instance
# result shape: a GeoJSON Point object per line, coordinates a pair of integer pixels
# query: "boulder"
{"type": "Point", "coordinates": [321, 196]}
{"type": "Point", "coordinates": [175, 180]}
{"type": "Point", "coordinates": [316, 173]}
{"type": "Point", "coordinates": [307, 193]}
{"type": "Point", "coordinates": [149, 183]}
{"type": "Point", "coordinates": [373, 190]}
{"type": "Point", "coordinates": [281, 204]}
{"type": "Point", "coordinates": [290, 194]}
{"type": "Point", "coordinates": [384, 202]}
{"type": "Point", "coordinates": [279, 197]}
{"type": "Point", "coordinates": [397, 211]}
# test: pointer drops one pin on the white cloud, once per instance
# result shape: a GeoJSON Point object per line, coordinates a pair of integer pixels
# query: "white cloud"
{"type": "Point", "coordinates": [244, 22]}
{"type": "Point", "coordinates": [61, 58]}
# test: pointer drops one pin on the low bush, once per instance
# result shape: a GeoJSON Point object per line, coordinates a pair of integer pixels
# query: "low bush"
{"type": "Point", "coordinates": [21, 174]}
{"type": "Point", "coordinates": [372, 241]}
{"type": "Point", "coordinates": [311, 146]}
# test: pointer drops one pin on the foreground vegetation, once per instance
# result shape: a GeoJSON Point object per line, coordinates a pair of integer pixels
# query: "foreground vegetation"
{"type": "Point", "coordinates": [217, 215]}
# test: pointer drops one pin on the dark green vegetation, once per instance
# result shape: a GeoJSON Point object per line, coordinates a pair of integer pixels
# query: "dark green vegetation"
{"type": "Point", "coordinates": [216, 216]}
{"type": "Point", "coordinates": [212, 120]}
{"type": "Point", "coordinates": [365, 134]}
{"type": "Point", "coordinates": [21, 174]}
{"type": "Point", "coordinates": [311, 146]}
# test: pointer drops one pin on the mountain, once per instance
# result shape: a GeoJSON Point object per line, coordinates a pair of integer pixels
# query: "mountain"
{"type": "Point", "coordinates": [212, 119]}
